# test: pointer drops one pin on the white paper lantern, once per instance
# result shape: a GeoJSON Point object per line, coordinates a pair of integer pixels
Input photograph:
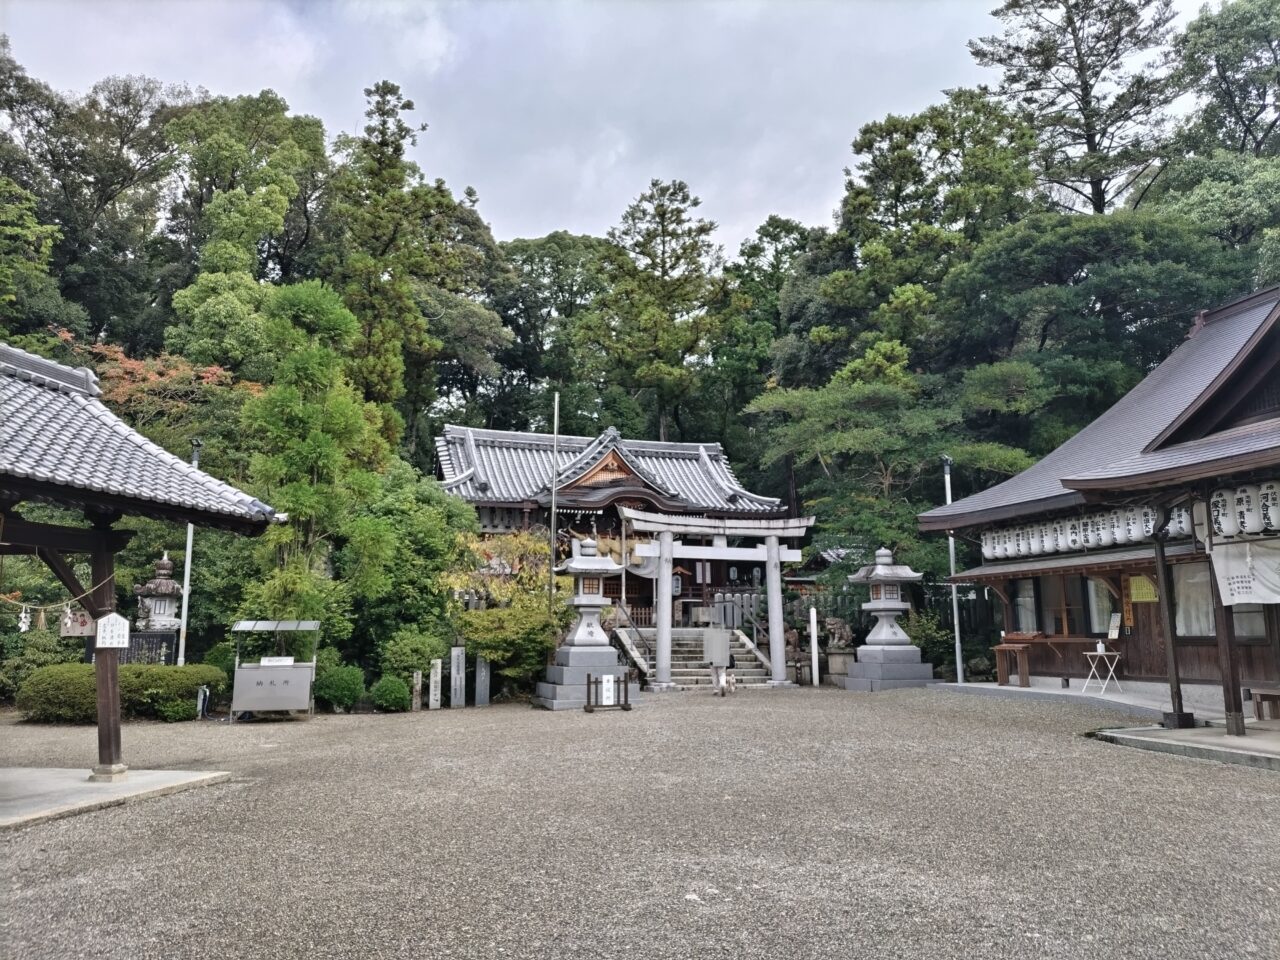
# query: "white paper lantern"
{"type": "Point", "coordinates": [1147, 519]}
{"type": "Point", "coordinates": [1088, 537]}
{"type": "Point", "coordinates": [1223, 513]}
{"type": "Point", "coordinates": [1179, 522]}
{"type": "Point", "coordinates": [1249, 509]}
{"type": "Point", "coordinates": [1119, 526]}
{"type": "Point", "coordinates": [1002, 544]}
{"type": "Point", "coordinates": [1023, 537]}
{"type": "Point", "coordinates": [1075, 539]}
{"type": "Point", "coordinates": [1200, 521]}
{"type": "Point", "coordinates": [1048, 538]}
{"type": "Point", "coordinates": [988, 546]}
{"type": "Point", "coordinates": [1103, 531]}
{"type": "Point", "coordinates": [1269, 497]}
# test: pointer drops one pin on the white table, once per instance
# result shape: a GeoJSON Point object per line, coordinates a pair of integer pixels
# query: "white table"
{"type": "Point", "coordinates": [1105, 659]}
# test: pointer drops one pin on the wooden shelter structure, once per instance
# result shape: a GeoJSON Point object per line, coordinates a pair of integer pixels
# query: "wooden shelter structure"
{"type": "Point", "coordinates": [60, 445]}
{"type": "Point", "coordinates": [1164, 513]}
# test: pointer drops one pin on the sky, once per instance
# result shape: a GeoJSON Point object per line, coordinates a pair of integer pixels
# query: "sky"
{"type": "Point", "coordinates": [557, 113]}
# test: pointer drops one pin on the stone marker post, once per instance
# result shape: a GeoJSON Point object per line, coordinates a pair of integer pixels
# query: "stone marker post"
{"type": "Point", "coordinates": [482, 682]}
{"type": "Point", "coordinates": [417, 691]}
{"type": "Point", "coordinates": [433, 701]}
{"type": "Point", "coordinates": [458, 677]}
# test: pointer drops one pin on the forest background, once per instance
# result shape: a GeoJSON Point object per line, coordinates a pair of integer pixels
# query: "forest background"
{"type": "Point", "coordinates": [1002, 267]}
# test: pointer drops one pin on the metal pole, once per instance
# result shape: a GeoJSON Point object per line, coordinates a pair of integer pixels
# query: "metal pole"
{"type": "Point", "coordinates": [555, 482]}
{"type": "Point", "coordinates": [813, 644]}
{"type": "Point", "coordinates": [196, 444]}
{"type": "Point", "coordinates": [955, 598]}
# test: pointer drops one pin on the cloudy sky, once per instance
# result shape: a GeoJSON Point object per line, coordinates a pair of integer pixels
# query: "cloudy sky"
{"type": "Point", "coordinates": [558, 113]}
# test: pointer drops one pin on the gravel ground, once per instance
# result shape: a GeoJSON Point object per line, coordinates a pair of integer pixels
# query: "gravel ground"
{"type": "Point", "coordinates": [779, 824]}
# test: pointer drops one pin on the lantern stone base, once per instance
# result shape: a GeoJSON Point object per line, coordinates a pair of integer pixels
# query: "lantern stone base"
{"type": "Point", "coordinates": [565, 687]}
{"type": "Point", "coordinates": [888, 668]}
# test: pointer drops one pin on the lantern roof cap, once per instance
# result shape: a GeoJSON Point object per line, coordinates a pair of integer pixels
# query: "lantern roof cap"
{"type": "Point", "coordinates": [586, 560]}
{"type": "Point", "coordinates": [884, 570]}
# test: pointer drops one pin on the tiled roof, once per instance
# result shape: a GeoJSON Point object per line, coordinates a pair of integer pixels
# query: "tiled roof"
{"type": "Point", "coordinates": [1124, 431]}
{"type": "Point", "coordinates": [59, 442]}
{"type": "Point", "coordinates": [501, 466]}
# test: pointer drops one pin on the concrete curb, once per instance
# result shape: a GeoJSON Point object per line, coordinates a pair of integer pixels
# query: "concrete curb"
{"type": "Point", "coordinates": [1134, 738]}
{"type": "Point", "coordinates": [115, 798]}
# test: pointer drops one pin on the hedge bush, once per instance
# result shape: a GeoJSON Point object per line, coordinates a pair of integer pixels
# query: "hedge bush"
{"type": "Point", "coordinates": [68, 693]}
{"type": "Point", "coordinates": [64, 693]}
{"type": "Point", "coordinates": [390, 694]}
{"type": "Point", "coordinates": [411, 649]}
{"type": "Point", "coordinates": [340, 687]}
{"type": "Point", "coordinates": [223, 656]}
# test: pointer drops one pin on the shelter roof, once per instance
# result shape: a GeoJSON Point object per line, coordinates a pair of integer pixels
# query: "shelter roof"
{"type": "Point", "coordinates": [509, 467]}
{"type": "Point", "coordinates": [1137, 424]}
{"type": "Point", "coordinates": [59, 443]}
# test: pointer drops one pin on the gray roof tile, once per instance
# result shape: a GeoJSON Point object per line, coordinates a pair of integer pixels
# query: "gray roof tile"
{"type": "Point", "coordinates": [56, 434]}
{"type": "Point", "coordinates": [501, 466]}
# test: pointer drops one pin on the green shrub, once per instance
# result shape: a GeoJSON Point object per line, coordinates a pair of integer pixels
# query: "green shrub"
{"type": "Point", "coordinates": [166, 693]}
{"type": "Point", "coordinates": [68, 692]}
{"type": "Point", "coordinates": [223, 656]}
{"type": "Point", "coordinates": [326, 659]}
{"type": "Point", "coordinates": [63, 693]}
{"type": "Point", "coordinates": [27, 652]}
{"type": "Point", "coordinates": [411, 649]}
{"type": "Point", "coordinates": [340, 687]}
{"type": "Point", "coordinates": [390, 694]}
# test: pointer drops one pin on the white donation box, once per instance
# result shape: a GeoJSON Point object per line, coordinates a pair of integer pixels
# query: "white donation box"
{"type": "Point", "coordinates": [277, 683]}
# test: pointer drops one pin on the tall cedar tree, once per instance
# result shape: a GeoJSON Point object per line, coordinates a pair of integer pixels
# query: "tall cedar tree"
{"type": "Point", "coordinates": [1081, 71]}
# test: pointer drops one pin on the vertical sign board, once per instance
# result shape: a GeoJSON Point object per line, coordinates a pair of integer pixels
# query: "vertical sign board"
{"type": "Point", "coordinates": [433, 701]}
{"type": "Point", "coordinates": [608, 695]}
{"type": "Point", "coordinates": [112, 633]}
{"type": "Point", "coordinates": [482, 682]}
{"type": "Point", "coordinates": [458, 677]}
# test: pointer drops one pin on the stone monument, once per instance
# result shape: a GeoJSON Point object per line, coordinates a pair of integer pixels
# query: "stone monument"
{"type": "Point", "coordinates": [888, 660]}
{"type": "Point", "coordinates": [586, 648]}
{"type": "Point", "coordinates": [158, 599]}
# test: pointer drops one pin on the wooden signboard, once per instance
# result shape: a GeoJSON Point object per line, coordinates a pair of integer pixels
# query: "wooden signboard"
{"type": "Point", "coordinates": [112, 632]}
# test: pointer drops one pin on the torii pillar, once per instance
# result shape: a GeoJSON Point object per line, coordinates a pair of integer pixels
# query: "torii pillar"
{"type": "Point", "coordinates": [662, 611]}
{"type": "Point", "coordinates": [773, 593]}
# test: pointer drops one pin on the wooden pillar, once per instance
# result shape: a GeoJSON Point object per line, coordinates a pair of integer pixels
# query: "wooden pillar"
{"type": "Point", "coordinates": [1177, 718]}
{"type": "Point", "coordinates": [1228, 665]}
{"type": "Point", "coordinates": [111, 764]}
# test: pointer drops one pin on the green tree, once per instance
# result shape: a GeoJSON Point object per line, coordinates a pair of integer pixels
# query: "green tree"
{"type": "Point", "coordinates": [1076, 68]}
{"type": "Point", "coordinates": [652, 328]}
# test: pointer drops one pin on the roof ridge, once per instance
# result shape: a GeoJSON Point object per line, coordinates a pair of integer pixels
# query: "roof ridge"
{"type": "Point", "coordinates": [1232, 307]}
{"type": "Point", "coordinates": [43, 372]}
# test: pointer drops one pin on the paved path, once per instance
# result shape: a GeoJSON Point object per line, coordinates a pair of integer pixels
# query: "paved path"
{"type": "Point", "coordinates": [779, 824]}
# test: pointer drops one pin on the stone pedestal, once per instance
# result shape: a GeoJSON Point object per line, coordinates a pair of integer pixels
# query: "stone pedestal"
{"type": "Point", "coordinates": [888, 668]}
{"type": "Point", "coordinates": [565, 687]}
{"type": "Point", "coordinates": [838, 664]}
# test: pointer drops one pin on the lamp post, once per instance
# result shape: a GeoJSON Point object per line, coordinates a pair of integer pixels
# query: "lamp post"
{"type": "Point", "coordinates": [951, 550]}
{"type": "Point", "coordinates": [196, 444]}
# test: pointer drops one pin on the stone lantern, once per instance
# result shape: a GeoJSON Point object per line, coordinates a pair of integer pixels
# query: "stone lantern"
{"type": "Point", "coordinates": [158, 599]}
{"type": "Point", "coordinates": [586, 648]}
{"type": "Point", "coordinates": [888, 659]}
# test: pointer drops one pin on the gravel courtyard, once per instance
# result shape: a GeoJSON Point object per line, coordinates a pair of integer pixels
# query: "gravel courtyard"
{"type": "Point", "coordinates": [780, 824]}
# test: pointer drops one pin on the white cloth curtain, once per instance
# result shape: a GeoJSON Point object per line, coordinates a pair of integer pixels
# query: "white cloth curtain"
{"type": "Point", "coordinates": [1193, 599]}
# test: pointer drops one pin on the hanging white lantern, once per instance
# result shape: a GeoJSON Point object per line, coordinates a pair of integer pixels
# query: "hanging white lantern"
{"type": "Point", "coordinates": [1269, 498]}
{"type": "Point", "coordinates": [1088, 537]}
{"type": "Point", "coordinates": [1104, 533]}
{"type": "Point", "coordinates": [1200, 521]}
{"type": "Point", "coordinates": [1222, 509]}
{"type": "Point", "coordinates": [1119, 526]}
{"type": "Point", "coordinates": [1002, 544]}
{"type": "Point", "coordinates": [988, 549]}
{"type": "Point", "coordinates": [1249, 509]}
{"type": "Point", "coordinates": [1022, 536]}
{"type": "Point", "coordinates": [1179, 522]}
{"type": "Point", "coordinates": [1075, 539]}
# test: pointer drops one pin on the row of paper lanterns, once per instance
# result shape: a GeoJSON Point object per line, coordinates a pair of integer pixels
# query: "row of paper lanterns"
{"type": "Point", "coordinates": [1247, 509]}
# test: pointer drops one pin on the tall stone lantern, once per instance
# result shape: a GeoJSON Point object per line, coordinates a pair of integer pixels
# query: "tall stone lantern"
{"type": "Point", "coordinates": [158, 599]}
{"type": "Point", "coordinates": [888, 660]}
{"type": "Point", "coordinates": [585, 648]}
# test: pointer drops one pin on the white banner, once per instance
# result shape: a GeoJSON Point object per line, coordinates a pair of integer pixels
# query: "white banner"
{"type": "Point", "coordinates": [1247, 572]}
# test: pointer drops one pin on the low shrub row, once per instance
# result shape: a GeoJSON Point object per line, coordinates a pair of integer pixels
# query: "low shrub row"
{"type": "Point", "coordinates": [67, 692]}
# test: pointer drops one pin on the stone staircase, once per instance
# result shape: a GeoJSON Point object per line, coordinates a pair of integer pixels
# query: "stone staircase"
{"type": "Point", "coordinates": [688, 669]}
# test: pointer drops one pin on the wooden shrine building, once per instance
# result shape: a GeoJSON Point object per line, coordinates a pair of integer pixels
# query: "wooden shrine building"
{"type": "Point", "coordinates": [1164, 511]}
{"type": "Point", "coordinates": [60, 445]}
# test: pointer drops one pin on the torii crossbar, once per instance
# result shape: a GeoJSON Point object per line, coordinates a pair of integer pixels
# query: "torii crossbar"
{"type": "Point", "coordinates": [719, 530]}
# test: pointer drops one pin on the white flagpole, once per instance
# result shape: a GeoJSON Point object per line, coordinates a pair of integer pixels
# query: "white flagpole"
{"type": "Point", "coordinates": [955, 598]}
{"type": "Point", "coordinates": [555, 482]}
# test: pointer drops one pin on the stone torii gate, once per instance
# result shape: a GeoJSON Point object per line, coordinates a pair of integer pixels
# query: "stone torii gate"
{"type": "Point", "coordinates": [718, 530]}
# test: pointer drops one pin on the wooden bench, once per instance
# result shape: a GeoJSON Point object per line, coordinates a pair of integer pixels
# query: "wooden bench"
{"type": "Point", "coordinates": [1018, 650]}
{"type": "Point", "coordinates": [1266, 697]}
